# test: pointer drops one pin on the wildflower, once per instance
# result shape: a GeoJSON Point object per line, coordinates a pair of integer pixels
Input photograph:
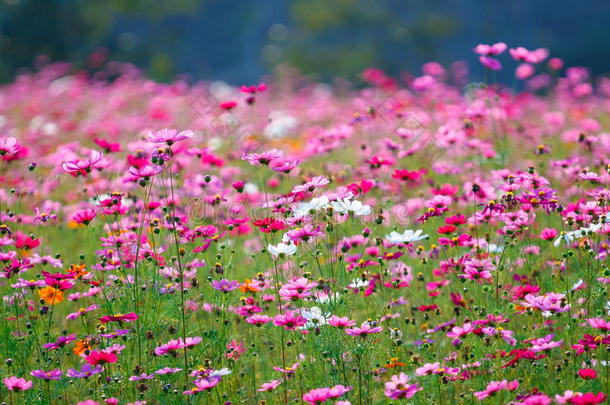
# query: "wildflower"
{"type": "Point", "coordinates": [407, 236]}
{"type": "Point", "coordinates": [364, 330]}
{"type": "Point", "coordinates": [353, 208]}
{"type": "Point", "coordinates": [119, 318]}
{"type": "Point", "coordinates": [282, 249]}
{"type": "Point", "coordinates": [51, 295]}
{"type": "Point", "coordinates": [173, 346]}
{"type": "Point", "coordinates": [269, 386]}
{"type": "Point", "coordinates": [496, 386]}
{"type": "Point", "coordinates": [340, 322]}
{"type": "Point", "coordinates": [262, 158]}
{"type": "Point", "coordinates": [86, 371]}
{"type": "Point", "coordinates": [490, 63]}
{"type": "Point", "coordinates": [258, 320]}
{"type": "Point", "coordinates": [169, 136]}
{"type": "Point", "coordinates": [47, 375]}
{"type": "Point", "coordinates": [17, 384]}
{"type": "Point", "coordinates": [490, 50]}
{"type": "Point", "coordinates": [84, 167]}
{"type": "Point", "coordinates": [225, 285]}
{"type": "Point", "coordinates": [289, 320]}
{"type": "Point", "coordinates": [97, 357]}
{"type": "Point", "coordinates": [399, 388]}
{"type": "Point", "coordinates": [587, 373]}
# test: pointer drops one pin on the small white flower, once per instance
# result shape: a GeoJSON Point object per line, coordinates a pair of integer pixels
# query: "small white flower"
{"type": "Point", "coordinates": [220, 373]}
{"type": "Point", "coordinates": [315, 317]}
{"type": "Point", "coordinates": [314, 205]}
{"type": "Point", "coordinates": [358, 283]}
{"type": "Point", "coordinates": [325, 299]}
{"type": "Point", "coordinates": [346, 206]}
{"type": "Point", "coordinates": [569, 237]}
{"type": "Point", "coordinates": [282, 249]}
{"type": "Point", "coordinates": [493, 248]}
{"type": "Point", "coordinates": [406, 237]}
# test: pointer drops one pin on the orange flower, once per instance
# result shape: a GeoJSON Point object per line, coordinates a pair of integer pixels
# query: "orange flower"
{"type": "Point", "coordinates": [394, 362]}
{"type": "Point", "coordinates": [78, 270]}
{"type": "Point", "coordinates": [81, 346]}
{"type": "Point", "coordinates": [51, 295]}
{"type": "Point", "coordinates": [249, 286]}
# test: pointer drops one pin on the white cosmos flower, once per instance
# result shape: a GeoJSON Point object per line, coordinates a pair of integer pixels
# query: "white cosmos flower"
{"type": "Point", "coordinates": [325, 299]}
{"type": "Point", "coordinates": [315, 317]}
{"type": "Point", "coordinates": [569, 237]}
{"type": "Point", "coordinates": [406, 237]}
{"type": "Point", "coordinates": [493, 248]}
{"type": "Point", "coordinates": [358, 283]}
{"type": "Point", "coordinates": [220, 373]}
{"type": "Point", "coordinates": [282, 249]}
{"type": "Point", "coordinates": [315, 204]}
{"type": "Point", "coordinates": [346, 206]}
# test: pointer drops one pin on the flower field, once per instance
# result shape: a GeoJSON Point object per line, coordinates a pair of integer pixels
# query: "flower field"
{"type": "Point", "coordinates": [417, 241]}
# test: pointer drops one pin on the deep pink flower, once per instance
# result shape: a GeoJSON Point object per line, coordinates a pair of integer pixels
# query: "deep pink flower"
{"type": "Point", "coordinates": [17, 384]}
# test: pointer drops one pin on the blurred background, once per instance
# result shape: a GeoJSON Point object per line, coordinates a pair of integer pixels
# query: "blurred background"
{"type": "Point", "coordinates": [240, 41]}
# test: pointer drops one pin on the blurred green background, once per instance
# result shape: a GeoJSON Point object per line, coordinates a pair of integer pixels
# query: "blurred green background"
{"type": "Point", "coordinates": [242, 40]}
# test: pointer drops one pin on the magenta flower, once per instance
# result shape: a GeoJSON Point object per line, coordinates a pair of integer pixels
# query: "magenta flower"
{"type": "Point", "coordinates": [47, 375]}
{"type": "Point", "coordinates": [173, 346]}
{"type": "Point", "coordinates": [263, 158]}
{"type": "Point", "coordinates": [87, 370]}
{"type": "Point", "coordinates": [258, 320]}
{"type": "Point", "coordinates": [490, 63]}
{"type": "Point", "coordinates": [225, 285]}
{"type": "Point", "coordinates": [8, 146]}
{"type": "Point", "coordinates": [490, 50]}
{"type": "Point", "coordinates": [84, 217]}
{"type": "Point", "coordinates": [60, 342]}
{"type": "Point", "coordinates": [169, 136]}
{"type": "Point", "coordinates": [399, 388]}
{"type": "Point", "coordinates": [17, 384]}
{"type": "Point", "coordinates": [340, 322]}
{"type": "Point", "coordinates": [364, 330]}
{"type": "Point", "coordinates": [599, 323]}
{"type": "Point", "coordinates": [495, 386]}
{"type": "Point", "coordinates": [289, 320]}
{"type": "Point", "coordinates": [119, 318]}
{"type": "Point", "coordinates": [269, 386]}
{"type": "Point", "coordinates": [83, 167]}
{"type": "Point", "coordinates": [305, 233]}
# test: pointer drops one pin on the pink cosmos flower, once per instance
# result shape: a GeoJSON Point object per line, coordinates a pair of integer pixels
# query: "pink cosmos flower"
{"type": "Point", "coordinates": [258, 320]}
{"type": "Point", "coordinates": [364, 330]}
{"type": "Point", "coordinates": [305, 233]}
{"type": "Point", "coordinates": [8, 146]}
{"type": "Point", "coordinates": [490, 63]}
{"type": "Point", "coordinates": [490, 50]}
{"type": "Point", "coordinates": [495, 386]}
{"type": "Point", "coordinates": [399, 388]}
{"type": "Point", "coordinates": [263, 158]}
{"type": "Point", "coordinates": [173, 346]}
{"type": "Point", "coordinates": [84, 166]}
{"type": "Point", "coordinates": [119, 318]}
{"type": "Point", "coordinates": [289, 320]}
{"type": "Point", "coordinates": [17, 384]}
{"type": "Point", "coordinates": [84, 217]}
{"type": "Point", "coordinates": [599, 323]}
{"type": "Point", "coordinates": [269, 386]}
{"type": "Point", "coordinates": [169, 136]}
{"type": "Point", "coordinates": [340, 322]}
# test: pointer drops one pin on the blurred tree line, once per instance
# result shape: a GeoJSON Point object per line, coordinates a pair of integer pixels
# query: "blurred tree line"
{"type": "Point", "coordinates": [242, 40]}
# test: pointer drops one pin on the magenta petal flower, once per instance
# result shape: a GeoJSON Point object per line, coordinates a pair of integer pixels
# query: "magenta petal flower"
{"type": "Point", "coordinates": [490, 63]}
{"type": "Point", "coordinates": [47, 375]}
{"type": "Point", "coordinates": [169, 136]}
{"type": "Point", "coordinates": [17, 384]}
